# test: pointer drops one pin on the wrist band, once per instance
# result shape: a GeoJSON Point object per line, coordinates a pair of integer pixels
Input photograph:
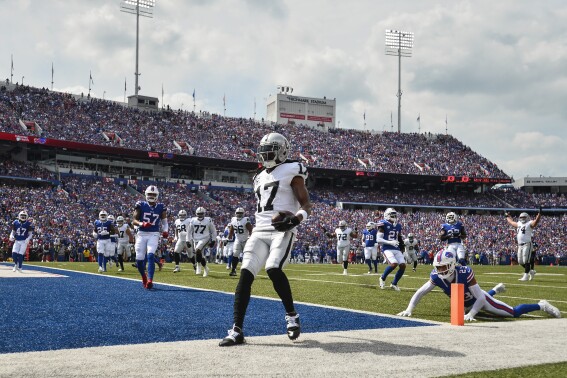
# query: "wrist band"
{"type": "Point", "coordinates": [303, 214]}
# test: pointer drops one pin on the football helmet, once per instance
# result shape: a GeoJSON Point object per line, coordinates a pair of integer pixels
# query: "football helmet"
{"type": "Point", "coordinates": [410, 237]}
{"type": "Point", "coordinates": [182, 214]}
{"type": "Point", "coordinates": [239, 213]}
{"type": "Point", "coordinates": [444, 263]}
{"type": "Point", "coordinates": [23, 216]}
{"type": "Point", "coordinates": [451, 218]}
{"type": "Point", "coordinates": [103, 216]}
{"type": "Point", "coordinates": [200, 213]}
{"type": "Point", "coordinates": [152, 194]}
{"type": "Point", "coordinates": [274, 150]}
{"type": "Point", "coordinates": [120, 220]}
{"type": "Point", "coordinates": [370, 225]}
{"type": "Point", "coordinates": [111, 218]}
{"type": "Point", "coordinates": [524, 218]}
{"type": "Point", "coordinates": [342, 225]}
{"type": "Point", "coordinates": [391, 215]}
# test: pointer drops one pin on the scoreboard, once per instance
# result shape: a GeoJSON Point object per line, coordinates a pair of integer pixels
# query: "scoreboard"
{"type": "Point", "coordinates": [284, 108]}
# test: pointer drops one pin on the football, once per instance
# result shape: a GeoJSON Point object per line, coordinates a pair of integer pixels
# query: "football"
{"type": "Point", "coordinates": [280, 215]}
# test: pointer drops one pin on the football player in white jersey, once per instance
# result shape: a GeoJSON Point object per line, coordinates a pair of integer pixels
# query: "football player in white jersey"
{"type": "Point", "coordinates": [412, 247]}
{"type": "Point", "coordinates": [220, 247]}
{"type": "Point", "coordinates": [228, 245]}
{"type": "Point", "coordinates": [239, 230]}
{"type": "Point", "coordinates": [182, 241]}
{"type": "Point", "coordinates": [344, 235]}
{"type": "Point", "coordinates": [283, 203]}
{"type": "Point", "coordinates": [125, 240]}
{"type": "Point", "coordinates": [203, 233]}
{"type": "Point", "coordinates": [524, 232]}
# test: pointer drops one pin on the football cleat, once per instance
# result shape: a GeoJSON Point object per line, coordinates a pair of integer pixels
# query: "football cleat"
{"type": "Point", "coordinates": [205, 271]}
{"type": "Point", "coordinates": [144, 280]}
{"type": "Point", "coordinates": [525, 277]}
{"type": "Point", "coordinates": [120, 269]}
{"type": "Point", "coordinates": [382, 283]}
{"type": "Point", "coordinates": [551, 310]}
{"type": "Point", "coordinates": [20, 270]}
{"type": "Point", "coordinates": [395, 287]}
{"type": "Point", "coordinates": [232, 273]}
{"type": "Point", "coordinates": [149, 284]}
{"type": "Point", "coordinates": [345, 273]}
{"type": "Point", "coordinates": [500, 288]}
{"type": "Point", "coordinates": [293, 327]}
{"type": "Point", "coordinates": [198, 269]}
{"type": "Point", "coordinates": [100, 270]}
{"type": "Point", "coordinates": [235, 337]}
{"type": "Point", "coordinates": [14, 269]}
{"type": "Point", "coordinates": [177, 269]}
{"type": "Point", "coordinates": [532, 274]}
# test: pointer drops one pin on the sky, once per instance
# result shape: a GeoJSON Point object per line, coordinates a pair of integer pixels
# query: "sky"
{"type": "Point", "coordinates": [491, 73]}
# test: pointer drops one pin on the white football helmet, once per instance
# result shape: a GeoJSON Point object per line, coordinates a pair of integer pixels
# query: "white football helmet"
{"type": "Point", "coordinates": [370, 225]}
{"type": "Point", "coordinates": [120, 220]}
{"type": "Point", "coordinates": [410, 236]}
{"type": "Point", "coordinates": [524, 218]}
{"type": "Point", "coordinates": [239, 213]}
{"type": "Point", "coordinates": [152, 194]}
{"type": "Point", "coordinates": [182, 214]}
{"type": "Point", "coordinates": [103, 216]}
{"type": "Point", "coordinates": [342, 225]}
{"type": "Point", "coordinates": [444, 263]}
{"type": "Point", "coordinates": [391, 215]}
{"type": "Point", "coordinates": [451, 218]}
{"type": "Point", "coordinates": [111, 218]}
{"type": "Point", "coordinates": [23, 216]}
{"type": "Point", "coordinates": [274, 150]}
{"type": "Point", "coordinates": [200, 213]}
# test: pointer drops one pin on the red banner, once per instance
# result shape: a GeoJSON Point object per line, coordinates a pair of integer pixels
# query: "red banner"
{"type": "Point", "coordinates": [292, 116]}
{"type": "Point", "coordinates": [320, 119]}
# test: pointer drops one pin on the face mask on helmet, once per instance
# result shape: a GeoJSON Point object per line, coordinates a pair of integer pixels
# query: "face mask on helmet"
{"type": "Point", "coordinates": [274, 149]}
{"type": "Point", "coordinates": [239, 213]}
{"type": "Point", "coordinates": [391, 215]}
{"type": "Point", "coordinates": [111, 218]}
{"type": "Point", "coordinates": [342, 225]}
{"type": "Point", "coordinates": [524, 217]}
{"type": "Point", "coordinates": [22, 216]}
{"type": "Point", "coordinates": [182, 214]}
{"type": "Point", "coordinates": [120, 220]}
{"type": "Point", "coordinates": [152, 194]}
{"type": "Point", "coordinates": [444, 263]}
{"type": "Point", "coordinates": [451, 218]}
{"type": "Point", "coordinates": [410, 237]}
{"type": "Point", "coordinates": [103, 216]}
{"type": "Point", "coordinates": [370, 225]}
{"type": "Point", "coordinates": [200, 213]}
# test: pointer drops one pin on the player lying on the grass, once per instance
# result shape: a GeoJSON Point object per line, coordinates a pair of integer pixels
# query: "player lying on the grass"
{"type": "Point", "coordinates": [447, 272]}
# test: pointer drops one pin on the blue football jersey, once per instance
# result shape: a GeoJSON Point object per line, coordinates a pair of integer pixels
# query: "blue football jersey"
{"type": "Point", "coordinates": [103, 226]}
{"type": "Point", "coordinates": [369, 237]}
{"type": "Point", "coordinates": [150, 214]}
{"type": "Point", "coordinates": [227, 233]}
{"type": "Point", "coordinates": [463, 274]}
{"type": "Point", "coordinates": [454, 231]}
{"type": "Point", "coordinates": [391, 232]}
{"type": "Point", "coordinates": [22, 229]}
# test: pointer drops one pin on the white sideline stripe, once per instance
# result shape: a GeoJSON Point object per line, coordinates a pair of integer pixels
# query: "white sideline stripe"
{"type": "Point", "coordinates": [6, 272]}
{"type": "Point", "coordinates": [257, 296]}
{"type": "Point", "coordinates": [520, 274]}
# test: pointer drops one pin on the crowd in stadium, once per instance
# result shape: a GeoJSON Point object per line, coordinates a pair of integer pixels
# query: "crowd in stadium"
{"type": "Point", "coordinates": [68, 213]}
{"type": "Point", "coordinates": [65, 117]}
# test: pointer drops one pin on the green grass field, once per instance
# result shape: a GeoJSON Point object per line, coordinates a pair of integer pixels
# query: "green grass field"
{"type": "Point", "coordinates": [324, 284]}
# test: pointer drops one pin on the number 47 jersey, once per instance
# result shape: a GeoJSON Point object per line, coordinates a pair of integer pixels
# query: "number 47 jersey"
{"type": "Point", "coordinates": [274, 193]}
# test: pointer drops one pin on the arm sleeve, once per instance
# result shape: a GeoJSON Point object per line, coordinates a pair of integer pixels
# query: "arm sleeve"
{"type": "Point", "coordinates": [213, 231]}
{"type": "Point", "coordinates": [480, 299]}
{"type": "Point", "coordinates": [380, 238]}
{"type": "Point", "coordinates": [426, 288]}
{"type": "Point", "coordinates": [164, 225]}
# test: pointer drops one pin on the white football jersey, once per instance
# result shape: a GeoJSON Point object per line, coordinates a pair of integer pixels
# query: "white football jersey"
{"type": "Point", "coordinates": [525, 232]}
{"type": "Point", "coordinates": [182, 227]}
{"type": "Point", "coordinates": [239, 226]}
{"type": "Point", "coordinates": [411, 246]}
{"type": "Point", "coordinates": [202, 229]}
{"type": "Point", "coordinates": [123, 237]}
{"type": "Point", "coordinates": [274, 193]}
{"type": "Point", "coordinates": [343, 237]}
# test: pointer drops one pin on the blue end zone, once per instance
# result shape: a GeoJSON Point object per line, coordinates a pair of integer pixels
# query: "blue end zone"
{"type": "Point", "coordinates": [86, 310]}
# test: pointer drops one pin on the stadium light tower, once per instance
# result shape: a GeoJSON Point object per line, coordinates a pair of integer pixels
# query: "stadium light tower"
{"type": "Point", "coordinates": [144, 8]}
{"type": "Point", "coordinates": [399, 43]}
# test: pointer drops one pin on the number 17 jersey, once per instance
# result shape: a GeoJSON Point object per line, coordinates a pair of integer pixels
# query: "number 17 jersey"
{"type": "Point", "coordinates": [274, 193]}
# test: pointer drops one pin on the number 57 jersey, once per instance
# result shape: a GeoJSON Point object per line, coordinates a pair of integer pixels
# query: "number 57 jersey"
{"type": "Point", "coordinates": [274, 193]}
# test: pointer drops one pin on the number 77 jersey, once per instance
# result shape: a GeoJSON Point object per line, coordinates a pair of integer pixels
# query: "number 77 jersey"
{"type": "Point", "coordinates": [274, 193]}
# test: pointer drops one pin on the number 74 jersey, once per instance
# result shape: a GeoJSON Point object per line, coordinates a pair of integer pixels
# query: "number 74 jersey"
{"type": "Point", "coordinates": [274, 193]}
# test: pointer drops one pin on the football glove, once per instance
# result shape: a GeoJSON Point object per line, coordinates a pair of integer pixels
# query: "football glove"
{"type": "Point", "coordinates": [393, 243]}
{"type": "Point", "coordinates": [95, 235]}
{"type": "Point", "coordinates": [165, 234]}
{"type": "Point", "coordinates": [104, 233]}
{"type": "Point", "coordinates": [188, 244]}
{"type": "Point", "coordinates": [146, 225]}
{"type": "Point", "coordinates": [506, 214]}
{"type": "Point", "coordinates": [469, 318]}
{"type": "Point", "coordinates": [287, 223]}
{"type": "Point", "coordinates": [405, 313]}
{"type": "Point", "coordinates": [13, 239]}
